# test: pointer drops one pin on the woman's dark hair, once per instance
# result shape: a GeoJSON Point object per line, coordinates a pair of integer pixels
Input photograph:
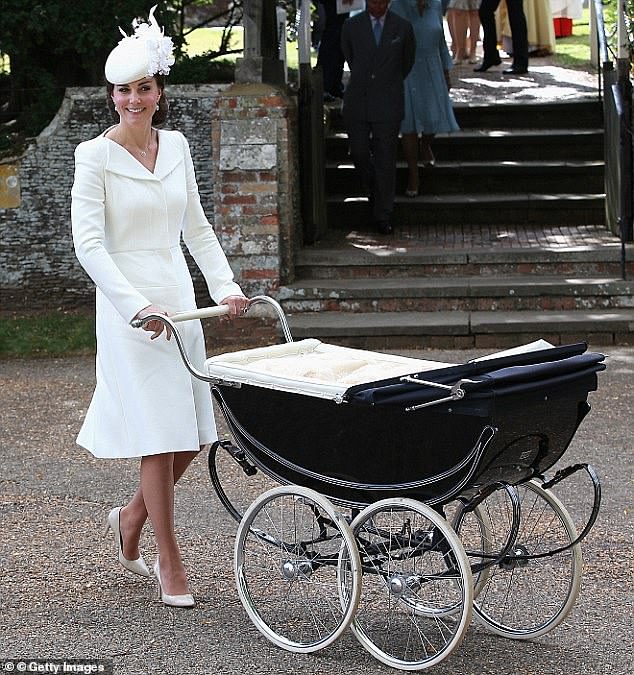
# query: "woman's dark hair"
{"type": "Point", "coordinates": [160, 116]}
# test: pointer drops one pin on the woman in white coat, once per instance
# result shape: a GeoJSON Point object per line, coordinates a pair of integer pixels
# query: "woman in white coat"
{"type": "Point", "coordinates": [134, 196]}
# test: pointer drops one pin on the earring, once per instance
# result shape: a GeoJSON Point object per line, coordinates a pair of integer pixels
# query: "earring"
{"type": "Point", "coordinates": [157, 107]}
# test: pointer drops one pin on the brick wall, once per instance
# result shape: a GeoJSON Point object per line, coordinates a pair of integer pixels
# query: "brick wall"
{"type": "Point", "coordinates": [244, 159]}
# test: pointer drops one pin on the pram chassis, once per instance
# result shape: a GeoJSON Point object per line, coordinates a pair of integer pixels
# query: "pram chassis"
{"type": "Point", "coordinates": [501, 511]}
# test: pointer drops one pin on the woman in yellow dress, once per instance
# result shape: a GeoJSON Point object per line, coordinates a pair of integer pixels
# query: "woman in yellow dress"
{"type": "Point", "coordinates": [539, 24]}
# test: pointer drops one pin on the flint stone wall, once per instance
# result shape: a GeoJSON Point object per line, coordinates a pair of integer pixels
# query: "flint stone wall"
{"type": "Point", "coordinates": [251, 151]}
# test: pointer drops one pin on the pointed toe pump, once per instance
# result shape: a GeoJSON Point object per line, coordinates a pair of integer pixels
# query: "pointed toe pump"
{"type": "Point", "coordinates": [113, 523]}
{"type": "Point", "coordinates": [186, 600]}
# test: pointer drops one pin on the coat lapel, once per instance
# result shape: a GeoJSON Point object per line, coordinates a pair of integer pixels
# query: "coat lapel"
{"type": "Point", "coordinates": [170, 155]}
{"type": "Point", "coordinates": [121, 162]}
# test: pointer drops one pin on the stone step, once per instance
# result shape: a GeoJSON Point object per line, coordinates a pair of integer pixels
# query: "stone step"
{"type": "Point", "coordinates": [513, 210]}
{"type": "Point", "coordinates": [564, 114]}
{"type": "Point", "coordinates": [600, 260]}
{"type": "Point", "coordinates": [483, 177]}
{"type": "Point", "coordinates": [464, 329]}
{"type": "Point", "coordinates": [501, 293]}
{"type": "Point", "coordinates": [488, 145]}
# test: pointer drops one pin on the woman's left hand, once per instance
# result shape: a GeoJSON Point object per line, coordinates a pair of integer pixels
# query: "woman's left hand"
{"type": "Point", "coordinates": [237, 305]}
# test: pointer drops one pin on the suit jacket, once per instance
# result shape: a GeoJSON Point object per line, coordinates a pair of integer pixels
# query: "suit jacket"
{"type": "Point", "coordinates": [375, 91]}
{"type": "Point", "coordinates": [127, 226]}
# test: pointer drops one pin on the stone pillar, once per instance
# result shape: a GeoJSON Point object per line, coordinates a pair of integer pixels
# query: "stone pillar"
{"type": "Point", "coordinates": [254, 174]}
{"type": "Point", "coordinates": [261, 62]}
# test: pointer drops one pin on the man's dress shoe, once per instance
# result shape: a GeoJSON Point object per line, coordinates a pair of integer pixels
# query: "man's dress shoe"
{"type": "Point", "coordinates": [384, 227]}
{"type": "Point", "coordinates": [515, 70]}
{"type": "Point", "coordinates": [485, 65]}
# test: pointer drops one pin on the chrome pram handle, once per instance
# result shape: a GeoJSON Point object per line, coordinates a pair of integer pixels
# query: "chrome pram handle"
{"type": "Point", "coordinates": [456, 391]}
{"type": "Point", "coordinates": [209, 312]}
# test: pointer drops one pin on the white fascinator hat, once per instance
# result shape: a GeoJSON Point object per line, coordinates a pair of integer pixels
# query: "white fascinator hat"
{"type": "Point", "coordinates": [146, 52]}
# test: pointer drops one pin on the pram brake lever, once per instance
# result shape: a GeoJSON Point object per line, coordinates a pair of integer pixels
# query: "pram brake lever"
{"type": "Point", "coordinates": [457, 392]}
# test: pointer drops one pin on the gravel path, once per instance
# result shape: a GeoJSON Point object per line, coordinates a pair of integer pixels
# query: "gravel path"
{"type": "Point", "coordinates": [63, 595]}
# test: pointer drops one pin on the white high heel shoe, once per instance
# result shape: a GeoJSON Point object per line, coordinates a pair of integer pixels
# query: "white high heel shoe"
{"type": "Point", "coordinates": [185, 600]}
{"type": "Point", "coordinates": [137, 566]}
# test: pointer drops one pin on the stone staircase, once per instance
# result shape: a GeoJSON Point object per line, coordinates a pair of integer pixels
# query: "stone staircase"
{"type": "Point", "coordinates": [506, 243]}
{"type": "Point", "coordinates": [512, 164]}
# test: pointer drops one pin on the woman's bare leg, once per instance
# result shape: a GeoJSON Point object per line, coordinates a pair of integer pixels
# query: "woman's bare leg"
{"type": "Point", "coordinates": [134, 515]}
{"type": "Point", "coordinates": [461, 22]}
{"type": "Point", "coordinates": [410, 151]}
{"type": "Point", "coordinates": [425, 149]}
{"type": "Point", "coordinates": [474, 34]}
{"type": "Point", "coordinates": [157, 485]}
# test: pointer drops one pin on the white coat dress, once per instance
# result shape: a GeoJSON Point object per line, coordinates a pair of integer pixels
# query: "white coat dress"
{"type": "Point", "coordinates": [127, 224]}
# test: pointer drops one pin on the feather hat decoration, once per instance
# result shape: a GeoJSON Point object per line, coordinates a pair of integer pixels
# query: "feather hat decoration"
{"type": "Point", "coordinates": [146, 52]}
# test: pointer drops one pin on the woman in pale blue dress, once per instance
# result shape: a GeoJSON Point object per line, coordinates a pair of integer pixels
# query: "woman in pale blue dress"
{"type": "Point", "coordinates": [428, 109]}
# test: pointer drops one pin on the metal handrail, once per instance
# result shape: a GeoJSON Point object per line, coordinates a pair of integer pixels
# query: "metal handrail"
{"type": "Point", "coordinates": [616, 107]}
{"type": "Point", "coordinates": [601, 39]}
{"type": "Point", "coordinates": [624, 220]}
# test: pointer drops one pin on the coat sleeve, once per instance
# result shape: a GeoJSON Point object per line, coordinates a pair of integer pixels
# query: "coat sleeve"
{"type": "Point", "coordinates": [88, 221]}
{"type": "Point", "coordinates": [346, 43]}
{"type": "Point", "coordinates": [201, 240]}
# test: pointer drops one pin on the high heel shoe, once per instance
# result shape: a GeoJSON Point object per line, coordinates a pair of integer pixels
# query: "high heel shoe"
{"type": "Point", "coordinates": [185, 600]}
{"type": "Point", "coordinates": [113, 523]}
{"type": "Point", "coordinates": [428, 153]}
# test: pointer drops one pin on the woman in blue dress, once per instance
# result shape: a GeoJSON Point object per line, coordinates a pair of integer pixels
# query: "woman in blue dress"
{"type": "Point", "coordinates": [428, 109]}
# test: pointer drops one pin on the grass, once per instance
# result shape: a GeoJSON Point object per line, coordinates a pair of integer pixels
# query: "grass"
{"type": "Point", "coordinates": [208, 39]}
{"type": "Point", "coordinates": [574, 51]}
{"type": "Point", "coordinates": [50, 334]}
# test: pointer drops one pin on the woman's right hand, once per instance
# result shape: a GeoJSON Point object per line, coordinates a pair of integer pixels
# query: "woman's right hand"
{"type": "Point", "coordinates": [155, 326]}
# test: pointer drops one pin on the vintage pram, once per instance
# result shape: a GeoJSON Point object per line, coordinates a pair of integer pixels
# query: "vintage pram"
{"type": "Point", "coordinates": [409, 493]}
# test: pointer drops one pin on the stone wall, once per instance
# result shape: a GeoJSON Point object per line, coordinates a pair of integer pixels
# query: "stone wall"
{"type": "Point", "coordinates": [252, 205]}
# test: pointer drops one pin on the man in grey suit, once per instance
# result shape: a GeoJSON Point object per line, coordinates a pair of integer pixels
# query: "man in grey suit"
{"type": "Point", "coordinates": [380, 48]}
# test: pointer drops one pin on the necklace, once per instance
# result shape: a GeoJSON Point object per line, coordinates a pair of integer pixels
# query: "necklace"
{"type": "Point", "coordinates": [142, 152]}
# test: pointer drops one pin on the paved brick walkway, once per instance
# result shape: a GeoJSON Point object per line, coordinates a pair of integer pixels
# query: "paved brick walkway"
{"type": "Point", "coordinates": [556, 237]}
{"type": "Point", "coordinates": [543, 83]}
{"type": "Point", "coordinates": [479, 237]}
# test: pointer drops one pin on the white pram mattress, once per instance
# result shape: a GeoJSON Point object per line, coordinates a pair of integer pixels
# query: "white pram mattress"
{"type": "Point", "coordinates": [315, 368]}
{"type": "Point", "coordinates": [312, 367]}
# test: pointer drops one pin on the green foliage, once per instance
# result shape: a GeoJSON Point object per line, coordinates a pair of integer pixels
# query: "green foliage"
{"type": "Point", "coordinates": [51, 45]}
{"type": "Point", "coordinates": [202, 69]}
{"type": "Point", "coordinates": [610, 18]}
{"type": "Point", "coordinates": [574, 51]}
{"type": "Point", "coordinates": [55, 334]}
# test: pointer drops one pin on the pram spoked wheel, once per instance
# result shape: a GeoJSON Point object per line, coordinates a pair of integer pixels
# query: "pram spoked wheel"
{"type": "Point", "coordinates": [532, 589]}
{"type": "Point", "coordinates": [414, 569]}
{"type": "Point", "coordinates": [290, 548]}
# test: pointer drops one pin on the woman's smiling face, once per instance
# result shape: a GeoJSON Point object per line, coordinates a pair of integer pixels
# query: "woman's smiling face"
{"type": "Point", "coordinates": [136, 102]}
